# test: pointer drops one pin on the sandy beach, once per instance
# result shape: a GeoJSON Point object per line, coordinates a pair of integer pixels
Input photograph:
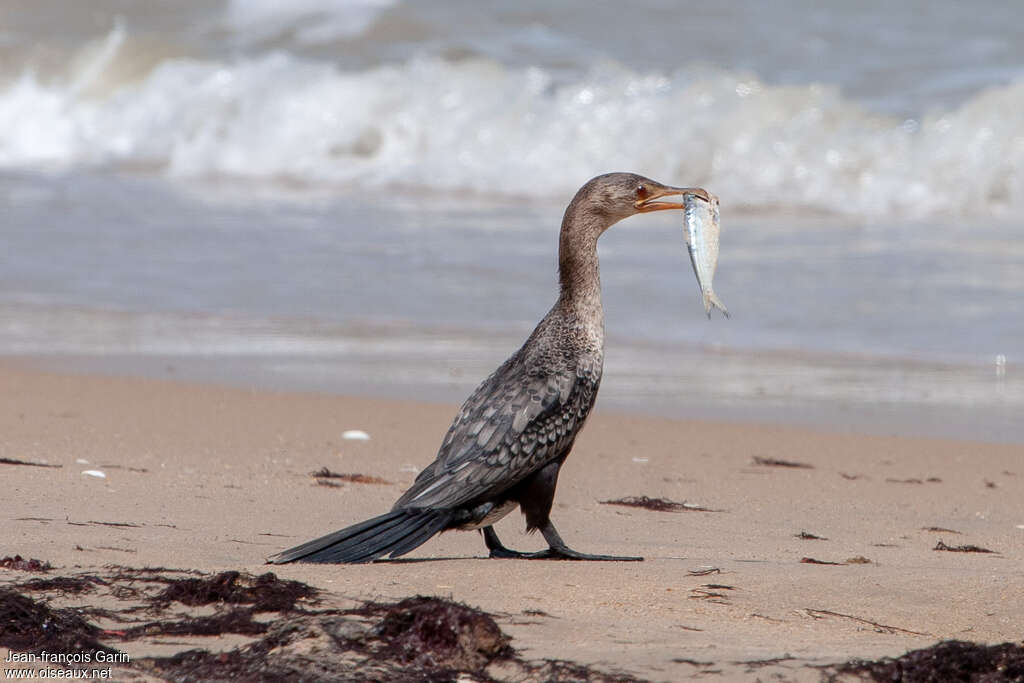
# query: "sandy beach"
{"type": "Point", "coordinates": [208, 478]}
{"type": "Point", "coordinates": [232, 231]}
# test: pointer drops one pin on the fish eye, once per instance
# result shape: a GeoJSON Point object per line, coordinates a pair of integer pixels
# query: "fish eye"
{"type": "Point", "coordinates": [641, 191]}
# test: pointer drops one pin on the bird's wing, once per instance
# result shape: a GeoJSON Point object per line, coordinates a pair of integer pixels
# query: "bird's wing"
{"type": "Point", "coordinates": [513, 424]}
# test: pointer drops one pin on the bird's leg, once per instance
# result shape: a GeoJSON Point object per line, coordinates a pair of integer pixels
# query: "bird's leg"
{"type": "Point", "coordinates": [535, 500]}
{"type": "Point", "coordinates": [499, 550]}
{"type": "Point", "coordinates": [557, 549]}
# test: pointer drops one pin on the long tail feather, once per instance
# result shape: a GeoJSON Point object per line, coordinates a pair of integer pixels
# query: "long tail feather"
{"type": "Point", "coordinates": [395, 533]}
{"type": "Point", "coordinates": [418, 536]}
{"type": "Point", "coordinates": [370, 542]}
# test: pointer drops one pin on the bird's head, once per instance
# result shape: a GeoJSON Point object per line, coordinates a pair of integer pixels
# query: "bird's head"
{"type": "Point", "coordinates": [614, 196]}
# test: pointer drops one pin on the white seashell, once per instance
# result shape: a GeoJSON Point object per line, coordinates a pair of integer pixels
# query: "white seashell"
{"type": "Point", "coordinates": [356, 435]}
{"type": "Point", "coordinates": [94, 473]}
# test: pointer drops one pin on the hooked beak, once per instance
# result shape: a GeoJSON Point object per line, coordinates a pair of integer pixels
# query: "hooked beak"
{"type": "Point", "coordinates": [651, 203]}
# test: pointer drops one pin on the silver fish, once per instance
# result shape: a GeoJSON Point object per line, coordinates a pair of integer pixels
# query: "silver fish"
{"type": "Point", "coordinates": [701, 229]}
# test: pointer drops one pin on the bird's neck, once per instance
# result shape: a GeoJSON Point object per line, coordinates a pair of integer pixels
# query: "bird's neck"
{"type": "Point", "coordinates": [579, 272]}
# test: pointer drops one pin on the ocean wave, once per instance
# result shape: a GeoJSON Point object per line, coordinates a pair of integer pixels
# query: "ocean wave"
{"type": "Point", "coordinates": [309, 22]}
{"type": "Point", "coordinates": [475, 125]}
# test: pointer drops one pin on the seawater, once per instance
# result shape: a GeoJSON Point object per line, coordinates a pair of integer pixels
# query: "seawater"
{"type": "Point", "coordinates": [365, 196]}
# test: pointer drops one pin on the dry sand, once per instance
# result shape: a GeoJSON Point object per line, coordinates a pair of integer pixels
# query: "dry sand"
{"type": "Point", "coordinates": [213, 478]}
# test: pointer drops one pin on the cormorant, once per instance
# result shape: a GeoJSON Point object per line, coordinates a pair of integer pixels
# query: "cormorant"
{"type": "Point", "coordinates": [511, 436]}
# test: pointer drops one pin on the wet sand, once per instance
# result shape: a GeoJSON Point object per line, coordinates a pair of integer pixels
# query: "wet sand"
{"type": "Point", "coordinates": [213, 478]}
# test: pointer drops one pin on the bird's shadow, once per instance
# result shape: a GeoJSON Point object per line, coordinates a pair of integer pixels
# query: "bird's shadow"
{"type": "Point", "coordinates": [556, 560]}
{"type": "Point", "coordinates": [416, 560]}
{"type": "Point", "coordinates": [459, 558]}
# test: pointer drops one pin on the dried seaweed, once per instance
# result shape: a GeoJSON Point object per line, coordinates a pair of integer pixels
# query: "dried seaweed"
{"type": "Point", "coordinates": [882, 628]}
{"type": "Point", "coordinates": [962, 548]}
{"type": "Point", "coordinates": [775, 462]}
{"type": "Point", "coordinates": [709, 596]}
{"type": "Point", "coordinates": [570, 672]}
{"type": "Point", "coordinates": [266, 593]}
{"type": "Point", "coordinates": [64, 585]}
{"type": "Point", "coordinates": [424, 630]}
{"type": "Point", "coordinates": [230, 621]}
{"type": "Point", "coordinates": [753, 664]}
{"type": "Point", "coordinates": [141, 470]}
{"type": "Point", "coordinates": [18, 563]}
{"type": "Point", "coordinates": [417, 639]}
{"type": "Point", "coordinates": [354, 478]}
{"type": "Point", "coordinates": [704, 571]}
{"type": "Point", "coordinates": [15, 461]}
{"type": "Point", "coordinates": [27, 624]}
{"type": "Point", "coordinates": [950, 660]}
{"type": "Point", "coordinates": [915, 480]}
{"type": "Point", "coordinates": [692, 662]}
{"type": "Point", "coordinates": [657, 504]}
{"type": "Point", "coordinates": [413, 640]}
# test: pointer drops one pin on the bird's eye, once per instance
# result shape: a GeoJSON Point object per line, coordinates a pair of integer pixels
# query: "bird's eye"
{"type": "Point", "coordinates": [641, 192]}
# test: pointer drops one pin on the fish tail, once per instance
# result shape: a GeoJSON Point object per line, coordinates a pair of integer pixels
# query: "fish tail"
{"type": "Point", "coordinates": [395, 533]}
{"type": "Point", "coordinates": [712, 298]}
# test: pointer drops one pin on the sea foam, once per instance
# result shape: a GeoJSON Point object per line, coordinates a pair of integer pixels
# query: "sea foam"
{"type": "Point", "coordinates": [476, 125]}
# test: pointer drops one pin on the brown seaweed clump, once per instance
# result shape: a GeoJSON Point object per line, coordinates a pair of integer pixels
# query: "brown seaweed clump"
{"type": "Point", "coordinates": [27, 624]}
{"type": "Point", "coordinates": [951, 661]}
{"type": "Point", "coordinates": [441, 634]}
{"type": "Point", "coordinates": [61, 584]}
{"type": "Point", "coordinates": [295, 636]}
{"type": "Point", "coordinates": [18, 563]}
{"type": "Point", "coordinates": [266, 592]}
{"type": "Point", "coordinates": [416, 639]}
